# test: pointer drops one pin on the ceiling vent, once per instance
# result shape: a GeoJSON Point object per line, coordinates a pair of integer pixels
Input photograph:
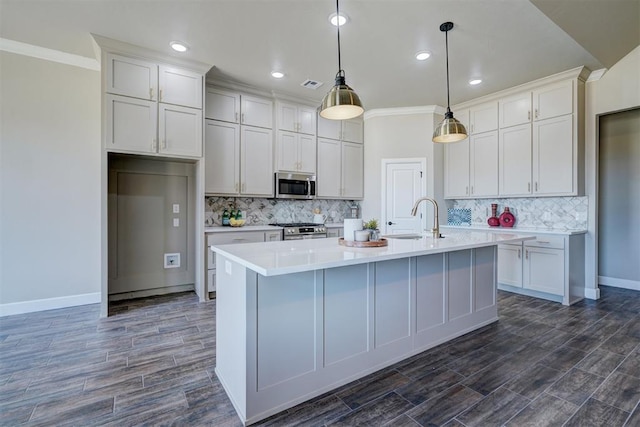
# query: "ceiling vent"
{"type": "Point", "coordinates": [311, 84]}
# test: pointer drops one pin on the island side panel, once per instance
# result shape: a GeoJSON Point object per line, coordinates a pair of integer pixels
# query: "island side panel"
{"type": "Point", "coordinates": [485, 279]}
{"type": "Point", "coordinates": [231, 327]}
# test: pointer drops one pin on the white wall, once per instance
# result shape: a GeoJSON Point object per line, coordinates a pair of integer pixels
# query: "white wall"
{"type": "Point", "coordinates": [49, 184]}
{"type": "Point", "coordinates": [400, 133]}
{"type": "Point", "coordinates": [618, 89]}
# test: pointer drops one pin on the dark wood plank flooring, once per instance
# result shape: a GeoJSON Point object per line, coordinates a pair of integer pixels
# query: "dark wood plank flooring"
{"type": "Point", "coordinates": [152, 363]}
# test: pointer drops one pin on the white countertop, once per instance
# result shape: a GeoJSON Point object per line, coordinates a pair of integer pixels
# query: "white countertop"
{"type": "Point", "coordinates": [515, 229]}
{"type": "Point", "coordinates": [293, 256]}
{"type": "Point", "coordinates": [225, 229]}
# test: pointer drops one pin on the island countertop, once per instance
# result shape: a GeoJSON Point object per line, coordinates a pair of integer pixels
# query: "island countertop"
{"type": "Point", "coordinates": [294, 256]}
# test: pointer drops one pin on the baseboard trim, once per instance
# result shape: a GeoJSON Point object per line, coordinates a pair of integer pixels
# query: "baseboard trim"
{"type": "Point", "coordinates": [619, 283]}
{"type": "Point", "coordinates": [152, 292]}
{"type": "Point", "coordinates": [592, 293]}
{"type": "Point", "coordinates": [48, 304]}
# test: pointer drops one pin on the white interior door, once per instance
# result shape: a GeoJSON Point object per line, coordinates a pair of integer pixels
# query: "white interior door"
{"type": "Point", "coordinates": [404, 181]}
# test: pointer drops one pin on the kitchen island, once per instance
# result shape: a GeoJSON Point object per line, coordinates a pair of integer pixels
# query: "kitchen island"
{"type": "Point", "coordinates": [295, 319]}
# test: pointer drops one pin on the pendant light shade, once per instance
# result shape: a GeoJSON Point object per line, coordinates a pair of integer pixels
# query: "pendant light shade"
{"type": "Point", "coordinates": [341, 103]}
{"type": "Point", "coordinates": [450, 129]}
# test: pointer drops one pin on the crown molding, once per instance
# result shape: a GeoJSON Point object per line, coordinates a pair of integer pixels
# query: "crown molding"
{"type": "Point", "coordinates": [47, 54]}
{"type": "Point", "coordinates": [597, 75]}
{"type": "Point", "coordinates": [403, 111]}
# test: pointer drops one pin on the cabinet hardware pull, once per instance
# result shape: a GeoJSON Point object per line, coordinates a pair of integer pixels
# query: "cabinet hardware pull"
{"type": "Point", "coordinates": [528, 115]}
{"type": "Point", "coordinates": [528, 186]}
{"type": "Point", "coordinates": [160, 95]}
{"type": "Point", "coordinates": [472, 189]}
{"type": "Point", "coordinates": [235, 187]}
{"type": "Point", "coordinates": [536, 186]}
{"type": "Point", "coordinates": [545, 242]}
{"type": "Point", "coordinates": [390, 223]}
{"type": "Point", "coordinates": [536, 113]}
{"type": "Point", "coordinates": [526, 254]}
{"type": "Point", "coordinates": [150, 93]}
{"type": "Point", "coordinates": [472, 128]}
{"type": "Point", "coordinates": [518, 253]}
{"type": "Point", "coordinates": [244, 187]}
{"type": "Point", "coordinates": [236, 116]}
{"type": "Point", "coordinates": [242, 118]}
{"type": "Point", "coordinates": [466, 190]}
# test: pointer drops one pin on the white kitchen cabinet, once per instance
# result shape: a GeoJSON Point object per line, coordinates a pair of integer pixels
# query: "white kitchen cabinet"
{"type": "Point", "coordinates": [340, 169]}
{"type": "Point", "coordinates": [295, 152]}
{"type": "Point", "coordinates": [554, 157]}
{"type": "Point", "coordinates": [232, 237]}
{"type": "Point", "coordinates": [180, 130]}
{"type": "Point", "coordinates": [256, 170]}
{"type": "Point", "coordinates": [483, 159]}
{"type": "Point", "coordinates": [551, 267]}
{"type": "Point", "coordinates": [515, 160]}
{"type": "Point", "coordinates": [515, 110]}
{"type": "Point", "coordinates": [222, 157]}
{"type": "Point", "coordinates": [345, 130]}
{"type": "Point", "coordinates": [178, 86]}
{"type": "Point", "coordinates": [131, 124]}
{"type": "Point", "coordinates": [483, 118]}
{"type": "Point", "coordinates": [296, 118]}
{"type": "Point", "coordinates": [132, 77]}
{"type": "Point", "coordinates": [553, 100]}
{"type": "Point", "coordinates": [152, 108]}
{"type": "Point", "coordinates": [237, 160]}
{"type": "Point", "coordinates": [456, 180]}
{"type": "Point", "coordinates": [238, 108]}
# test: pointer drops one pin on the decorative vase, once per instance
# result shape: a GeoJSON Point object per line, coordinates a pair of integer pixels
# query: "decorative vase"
{"type": "Point", "coordinates": [506, 218]}
{"type": "Point", "coordinates": [493, 221]}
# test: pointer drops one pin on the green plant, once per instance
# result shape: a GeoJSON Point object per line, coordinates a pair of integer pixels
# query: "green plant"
{"type": "Point", "coordinates": [372, 224]}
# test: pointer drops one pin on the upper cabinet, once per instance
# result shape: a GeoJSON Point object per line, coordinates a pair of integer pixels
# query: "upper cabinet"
{"type": "Point", "coordinates": [296, 118]}
{"type": "Point", "coordinates": [152, 108]}
{"type": "Point", "coordinates": [238, 108]}
{"type": "Point", "coordinates": [521, 143]}
{"type": "Point", "coordinates": [344, 130]}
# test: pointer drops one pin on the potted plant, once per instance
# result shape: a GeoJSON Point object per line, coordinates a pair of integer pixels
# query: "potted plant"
{"type": "Point", "coordinates": [372, 226]}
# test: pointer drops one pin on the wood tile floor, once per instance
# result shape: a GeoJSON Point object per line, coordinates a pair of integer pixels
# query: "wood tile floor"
{"type": "Point", "coordinates": [152, 363]}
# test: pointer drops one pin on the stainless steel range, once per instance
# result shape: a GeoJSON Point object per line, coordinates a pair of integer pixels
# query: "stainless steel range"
{"type": "Point", "coordinates": [302, 230]}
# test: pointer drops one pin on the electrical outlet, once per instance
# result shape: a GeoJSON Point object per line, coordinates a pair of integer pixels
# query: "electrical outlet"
{"type": "Point", "coordinates": [176, 222]}
{"type": "Point", "coordinates": [172, 260]}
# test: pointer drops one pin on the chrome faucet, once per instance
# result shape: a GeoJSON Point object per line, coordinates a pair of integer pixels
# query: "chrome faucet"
{"type": "Point", "coordinates": [435, 231]}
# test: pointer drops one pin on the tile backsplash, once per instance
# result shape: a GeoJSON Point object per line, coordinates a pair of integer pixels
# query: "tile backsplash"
{"type": "Point", "coordinates": [265, 211]}
{"type": "Point", "coordinates": [560, 213]}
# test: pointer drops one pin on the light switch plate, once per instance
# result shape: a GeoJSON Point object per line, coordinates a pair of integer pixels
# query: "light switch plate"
{"type": "Point", "coordinates": [176, 208]}
{"type": "Point", "coordinates": [227, 267]}
{"type": "Point", "coordinates": [176, 222]}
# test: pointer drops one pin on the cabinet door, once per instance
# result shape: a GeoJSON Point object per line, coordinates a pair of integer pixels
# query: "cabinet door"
{"type": "Point", "coordinates": [179, 87]}
{"type": "Point", "coordinates": [222, 158]}
{"type": "Point", "coordinates": [553, 157]}
{"type": "Point", "coordinates": [211, 280]}
{"type": "Point", "coordinates": [510, 265]}
{"type": "Point", "coordinates": [131, 77]}
{"type": "Point", "coordinates": [287, 117]}
{"type": "Point", "coordinates": [307, 120]}
{"type": "Point", "coordinates": [222, 105]}
{"type": "Point", "coordinates": [256, 171]}
{"type": "Point", "coordinates": [256, 111]}
{"type": "Point", "coordinates": [515, 160]}
{"type": "Point", "coordinates": [352, 170]}
{"type": "Point", "coordinates": [131, 124]}
{"type": "Point", "coordinates": [544, 270]}
{"type": "Point", "coordinates": [553, 101]}
{"type": "Point", "coordinates": [180, 130]}
{"type": "Point", "coordinates": [484, 118]}
{"type": "Point", "coordinates": [328, 179]}
{"type": "Point", "coordinates": [272, 236]}
{"type": "Point", "coordinates": [307, 153]}
{"type": "Point", "coordinates": [515, 110]}
{"type": "Point", "coordinates": [484, 164]}
{"type": "Point", "coordinates": [287, 151]}
{"type": "Point", "coordinates": [329, 128]}
{"type": "Point", "coordinates": [352, 131]}
{"type": "Point", "coordinates": [456, 158]}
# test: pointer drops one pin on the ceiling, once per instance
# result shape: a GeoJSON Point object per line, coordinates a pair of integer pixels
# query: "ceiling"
{"type": "Point", "coordinates": [503, 42]}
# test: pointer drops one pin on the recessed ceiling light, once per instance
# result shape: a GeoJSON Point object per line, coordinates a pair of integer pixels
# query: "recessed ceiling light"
{"type": "Point", "coordinates": [422, 55]}
{"type": "Point", "coordinates": [179, 46]}
{"type": "Point", "coordinates": [277, 74]}
{"type": "Point", "coordinates": [475, 82]}
{"type": "Point", "coordinates": [333, 18]}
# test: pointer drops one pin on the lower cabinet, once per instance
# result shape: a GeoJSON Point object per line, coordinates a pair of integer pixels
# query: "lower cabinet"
{"type": "Point", "coordinates": [550, 267]}
{"type": "Point", "coordinates": [233, 237]}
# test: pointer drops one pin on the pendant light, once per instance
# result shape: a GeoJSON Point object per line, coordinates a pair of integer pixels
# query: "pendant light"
{"type": "Point", "coordinates": [341, 103]}
{"type": "Point", "coordinates": [450, 129]}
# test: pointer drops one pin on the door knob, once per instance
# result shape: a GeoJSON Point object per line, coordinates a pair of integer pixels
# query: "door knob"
{"type": "Point", "coordinates": [390, 223]}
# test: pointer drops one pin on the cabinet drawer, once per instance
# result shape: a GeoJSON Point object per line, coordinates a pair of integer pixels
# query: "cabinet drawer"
{"type": "Point", "coordinates": [555, 242]}
{"type": "Point", "coordinates": [235, 237]}
{"type": "Point", "coordinates": [211, 281]}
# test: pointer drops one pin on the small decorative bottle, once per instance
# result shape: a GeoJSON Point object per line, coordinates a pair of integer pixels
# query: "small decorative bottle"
{"type": "Point", "coordinates": [225, 217]}
{"type": "Point", "coordinates": [506, 218]}
{"type": "Point", "coordinates": [493, 221]}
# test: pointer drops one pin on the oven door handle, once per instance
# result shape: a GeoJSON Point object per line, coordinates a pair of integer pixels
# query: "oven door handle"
{"type": "Point", "coordinates": [309, 188]}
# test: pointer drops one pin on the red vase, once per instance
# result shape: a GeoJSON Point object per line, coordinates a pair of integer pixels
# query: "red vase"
{"type": "Point", "coordinates": [506, 218]}
{"type": "Point", "coordinates": [493, 221]}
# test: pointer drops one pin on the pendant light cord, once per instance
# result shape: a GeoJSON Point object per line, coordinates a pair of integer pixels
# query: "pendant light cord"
{"type": "Point", "coordinates": [446, 42]}
{"type": "Point", "coordinates": [338, 25]}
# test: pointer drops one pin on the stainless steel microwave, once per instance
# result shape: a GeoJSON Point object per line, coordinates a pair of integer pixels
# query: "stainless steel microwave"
{"type": "Point", "coordinates": [295, 185]}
